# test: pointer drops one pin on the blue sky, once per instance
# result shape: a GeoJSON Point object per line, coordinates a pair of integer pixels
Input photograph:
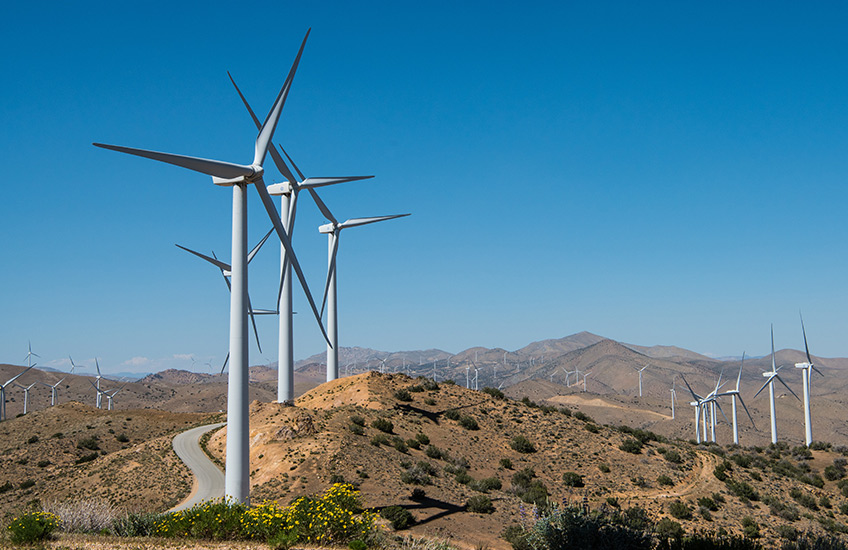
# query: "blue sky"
{"type": "Point", "coordinates": [658, 173]}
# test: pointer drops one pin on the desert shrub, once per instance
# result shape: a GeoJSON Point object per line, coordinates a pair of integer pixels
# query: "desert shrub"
{"type": "Point", "coordinates": [572, 527]}
{"type": "Point", "coordinates": [705, 513]}
{"type": "Point", "coordinates": [135, 525]}
{"type": "Point", "coordinates": [708, 503]}
{"type": "Point", "coordinates": [383, 424]}
{"type": "Point", "coordinates": [579, 415]}
{"type": "Point", "coordinates": [664, 480]}
{"type": "Point", "coordinates": [480, 504]}
{"type": "Point", "coordinates": [422, 438]}
{"type": "Point", "coordinates": [528, 489]}
{"type": "Point", "coordinates": [639, 481]}
{"type": "Point", "coordinates": [462, 477]}
{"type": "Point", "coordinates": [613, 501]}
{"type": "Point", "coordinates": [572, 479]}
{"type": "Point", "coordinates": [506, 464]}
{"type": "Point", "coordinates": [494, 392]}
{"type": "Point", "coordinates": [742, 489]}
{"type": "Point", "coordinates": [783, 510]}
{"type": "Point", "coordinates": [785, 468]}
{"type": "Point", "coordinates": [803, 498]}
{"type": "Point", "coordinates": [750, 528]}
{"type": "Point", "coordinates": [814, 541]}
{"type": "Point", "coordinates": [522, 444]}
{"type": "Point", "coordinates": [468, 422]}
{"type": "Point", "coordinates": [801, 452]}
{"type": "Point", "coordinates": [418, 494]}
{"type": "Point", "coordinates": [667, 529]}
{"type": "Point", "coordinates": [812, 479]}
{"type": "Point", "coordinates": [673, 456]}
{"type": "Point", "coordinates": [824, 502]}
{"type": "Point", "coordinates": [358, 420]}
{"type": "Point", "coordinates": [337, 478]}
{"type": "Point", "coordinates": [400, 518]}
{"type": "Point", "coordinates": [743, 461]}
{"type": "Point", "coordinates": [486, 484]}
{"type": "Point", "coordinates": [787, 532]}
{"type": "Point", "coordinates": [357, 429]}
{"type": "Point", "coordinates": [380, 439]}
{"type": "Point", "coordinates": [399, 444]}
{"type": "Point", "coordinates": [86, 458]}
{"type": "Point", "coordinates": [832, 473]}
{"type": "Point", "coordinates": [434, 452]}
{"type": "Point", "coordinates": [720, 471]}
{"type": "Point", "coordinates": [429, 401]}
{"type": "Point", "coordinates": [32, 527]}
{"type": "Point", "coordinates": [820, 446]}
{"type": "Point", "coordinates": [33, 439]}
{"type": "Point", "coordinates": [451, 414]}
{"type": "Point", "coordinates": [27, 483]}
{"type": "Point", "coordinates": [403, 395]}
{"type": "Point", "coordinates": [413, 443]}
{"type": "Point", "coordinates": [591, 428]}
{"type": "Point", "coordinates": [89, 443]}
{"type": "Point", "coordinates": [43, 463]}
{"type": "Point", "coordinates": [523, 477]}
{"type": "Point", "coordinates": [122, 438]}
{"type": "Point", "coordinates": [631, 445]}
{"type": "Point", "coordinates": [604, 467]}
{"type": "Point", "coordinates": [679, 510]}
{"type": "Point", "coordinates": [516, 535]}
{"type": "Point", "coordinates": [756, 476]}
{"type": "Point", "coordinates": [83, 516]}
{"type": "Point", "coordinates": [6, 487]}
{"type": "Point", "coordinates": [566, 411]}
{"type": "Point", "coordinates": [532, 404]}
{"type": "Point", "coordinates": [418, 474]}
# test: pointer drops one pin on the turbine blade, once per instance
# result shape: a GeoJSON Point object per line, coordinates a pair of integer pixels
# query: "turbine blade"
{"type": "Point", "coordinates": [816, 369]}
{"type": "Point", "coordinates": [224, 275]}
{"type": "Point", "coordinates": [694, 395]}
{"type": "Point", "coordinates": [773, 369]}
{"type": "Point", "coordinates": [787, 387]}
{"type": "Point", "coordinates": [299, 173]}
{"type": "Point", "coordinates": [266, 132]}
{"type": "Point", "coordinates": [323, 207]}
{"type": "Point", "coordinates": [722, 412]}
{"type": "Point", "coordinates": [331, 269]}
{"type": "Point", "coordinates": [739, 378]}
{"type": "Point", "coordinates": [764, 387]}
{"type": "Point", "coordinates": [214, 261]}
{"type": "Point", "coordinates": [806, 347]}
{"type": "Point", "coordinates": [98, 366]}
{"type": "Point", "coordinates": [275, 156]}
{"type": "Point", "coordinates": [259, 245]}
{"type": "Point", "coordinates": [747, 411]}
{"type": "Point", "coordinates": [17, 376]}
{"type": "Point", "coordinates": [281, 232]}
{"type": "Point", "coordinates": [253, 322]}
{"type": "Point", "coordinates": [227, 360]}
{"type": "Point", "coordinates": [354, 222]}
{"type": "Point", "coordinates": [323, 182]}
{"type": "Point", "coordinates": [221, 169]}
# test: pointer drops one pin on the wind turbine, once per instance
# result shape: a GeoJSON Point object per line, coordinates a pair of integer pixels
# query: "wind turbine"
{"type": "Point", "coordinates": [226, 272]}
{"type": "Point", "coordinates": [97, 400]}
{"type": "Point", "coordinates": [54, 391]}
{"type": "Point", "coordinates": [734, 393]}
{"type": "Point", "coordinates": [333, 231]}
{"type": "Point", "coordinates": [771, 375]}
{"type": "Point", "coordinates": [3, 387]}
{"type": "Point", "coordinates": [640, 378]}
{"type": "Point", "coordinates": [673, 395]}
{"type": "Point", "coordinates": [110, 396]}
{"type": "Point", "coordinates": [239, 176]}
{"type": "Point", "coordinates": [585, 375]}
{"type": "Point", "coordinates": [288, 192]}
{"type": "Point", "coordinates": [100, 392]}
{"type": "Point", "coordinates": [26, 393]}
{"type": "Point", "coordinates": [806, 377]}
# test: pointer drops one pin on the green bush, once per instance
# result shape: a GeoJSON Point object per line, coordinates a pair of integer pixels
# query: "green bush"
{"type": "Point", "coordinates": [572, 479]}
{"type": "Point", "coordinates": [522, 445]}
{"type": "Point", "coordinates": [673, 456]}
{"type": "Point", "coordinates": [669, 529]}
{"type": "Point", "coordinates": [679, 510]}
{"type": "Point", "coordinates": [708, 503]}
{"type": "Point", "coordinates": [135, 525]}
{"type": "Point", "coordinates": [480, 504]}
{"type": "Point", "coordinates": [89, 443]}
{"type": "Point", "coordinates": [494, 392]}
{"type": "Point", "coordinates": [383, 424]}
{"type": "Point", "coordinates": [422, 438]}
{"type": "Point", "coordinates": [517, 537]}
{"type": "Point", "coordinates": [582, 416]}
{"type": "Point", "coordinates": [572, 527]}
{"type": "Point", "coordinates": [32, 527]}
{"type": "Point", "coordinates": [357, 429]}
{"type": "Point", "coordinates": [27, 483]}
{"type": "Point", "coordinates": [399, 444]}
{"type": "Point", "coordinates": [6, 487]}
{"type": "Point", "coordinates": [506, 464]}
{"type": "Point", "coordinates": [400, 518]}
{"type": "Point", "coordinates": [486, 484]}
{"type": "Point", "coordinates": [122, 438]}
{"type": "Point", "coordinates": [604, 467]}
{"type": "Point", "coordinates": [403, 395]}
{"type": "Point", "coordinates": [630, 445]}
{"type": "Point", "coordinates": [434, 452]}
{"type": "Point", "coordinates": [750, 528]}
{"type": "Point", "coordinates": [33, 439]}
{"type": "Point", "coordinates": [742, 489]}
{"type": "Point", "coordinates": [451, 414]}
{"type": "Point", "coordinates": [664, 480]}
{"type": "Point", "coordinates": [468, 422]}
{"type": "Point", "coordinates": [413, 444]}
{"type": "Point", "coordinates": [591, 428]}
{"type": "Point", "coordinates": [43, 463]}
{"type": "Point", "coordinates": [380, 439]}
{"type": "Point", "coordinates": [803, 498]}
{"type": "Point", "coordinates": [358, 420]}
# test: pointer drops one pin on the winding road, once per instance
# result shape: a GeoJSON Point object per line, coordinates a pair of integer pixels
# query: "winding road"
{"type": "Point", "coordinates": [208, 479]}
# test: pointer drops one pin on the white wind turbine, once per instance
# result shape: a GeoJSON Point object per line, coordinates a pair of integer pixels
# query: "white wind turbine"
{"type": "Point", "coordinates": [226, 273]}
{"type": "Point", "coordinates": [806, 376]}
{"type": "Point", "coordinates": [100, 392]}
{"type": "Point", "coordinates": [734, 394]}
{"type": "Point", "coordinates": [640, 378]}
{"type": "Point", "coordinates": [333, 231]}
{"type": "Point", "coordinates": [54, 388]}
{"type": "Point", "coordinates": [585, 375]}
{"type": "Point", "coordinates": [288, 192]}
{"type": "Point", "coordinates": [703, 406]}
{"type": "Point", "coordinates": [10, 381]}
{"type": "Point", "coordinates": [26, 393]}
{"type": "Point", "coordinates": [96, 384]}
{"type": "Point", "coordinates": [673, 395]}
{"type": "Point", "coordinates": [239, 176]}
{"type": "Point", "coordinates": [110, 396]}
{"type": "Point", "coordinates": [771, 375]}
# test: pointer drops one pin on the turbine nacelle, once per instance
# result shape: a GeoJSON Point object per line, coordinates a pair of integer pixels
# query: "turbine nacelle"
{"type": "Point", "coordinates": [327, 228]}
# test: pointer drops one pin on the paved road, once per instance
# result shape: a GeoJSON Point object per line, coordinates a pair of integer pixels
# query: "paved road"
{"type": "Point", "coordinates": [208, 478]}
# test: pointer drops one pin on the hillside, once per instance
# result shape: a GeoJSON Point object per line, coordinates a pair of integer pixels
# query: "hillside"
{"type": "Point", "coordinates": [332, 433]}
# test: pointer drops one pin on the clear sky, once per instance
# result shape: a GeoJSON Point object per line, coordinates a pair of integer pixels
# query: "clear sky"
{"type": "Point", "coordinates": [655, 172]}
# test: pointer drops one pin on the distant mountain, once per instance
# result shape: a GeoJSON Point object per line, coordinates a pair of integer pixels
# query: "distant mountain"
{"type": "Point", "coordinates": [668, 352]}
{"type": "Point", "coordinates": [560, 346]}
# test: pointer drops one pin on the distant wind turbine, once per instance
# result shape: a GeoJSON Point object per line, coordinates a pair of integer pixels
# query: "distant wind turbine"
{"type": "Point", "coordinates": [806, 376]}
{"type": "Point", "coordinates": [734, 394]}
{"type": "Point", "coordinates": [640, 378]}
{"type": "Point", "coordinates": [772, 375]}
{"type": "Point", "coordinates": [26, 393]}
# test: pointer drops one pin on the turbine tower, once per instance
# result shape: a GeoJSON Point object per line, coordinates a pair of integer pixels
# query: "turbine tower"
{"type": "Point", "coordinates": [640, 378]}
{"type": "Point", "coordinates": [333, 231]}
{"type": "Point", "coordinates": [806, 377]}
{"type": "Point", "coordinates": [772, 375]}
{"type": "Point", "coordinates": [735, 394]}
{"type": "Point", "coordinates": [239, 176]}
{"type": "Point", "coordinates": [26, 393]}
{"type": "Point", "coordinates": [10, 381]}
{"type": "Point", "coordinates": [673, 395]}
{"type": "Point", "coordinates": [288, 192]}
